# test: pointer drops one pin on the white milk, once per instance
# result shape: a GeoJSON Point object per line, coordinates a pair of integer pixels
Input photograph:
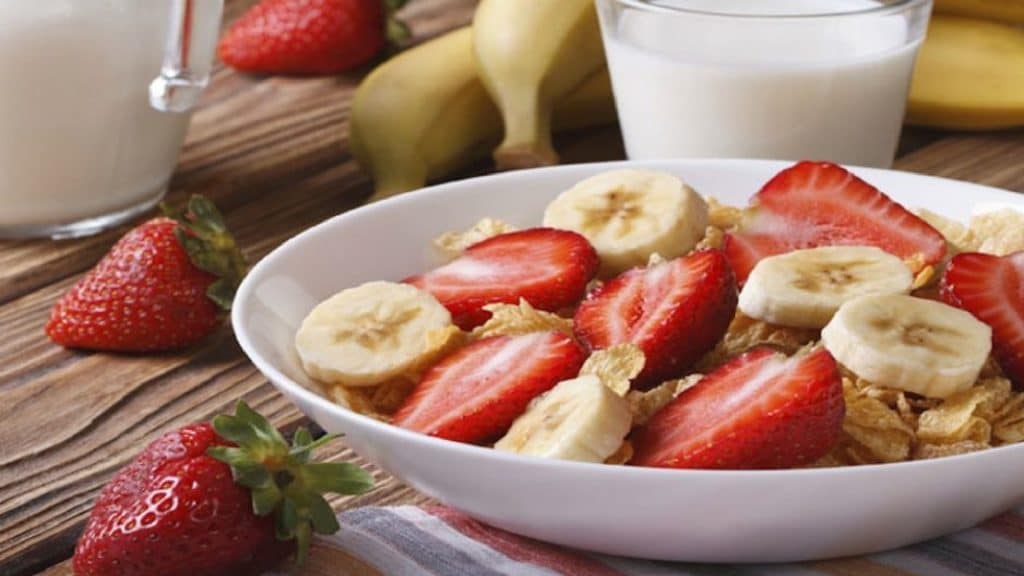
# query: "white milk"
{"type": "Point", "coordinates": [77, 135]}
{"type": "Point", "coordinates": [828, 89]}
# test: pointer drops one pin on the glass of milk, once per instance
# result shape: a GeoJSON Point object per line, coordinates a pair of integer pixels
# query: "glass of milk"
{"type": "Point", "coordinates": [783, 79]}
{"type": "Point", "coordinates": [94, 103]}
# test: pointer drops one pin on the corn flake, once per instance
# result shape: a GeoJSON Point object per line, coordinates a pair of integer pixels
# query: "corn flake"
{"type": "Point", "coordinates": [877, 432]}
{"type": "Point", "coordinates": [745, 333]}
{"type": "Point", "coordinates": [387, 397]}
{"type": "Point", "coordinates": [522, 318]}
{"type": "Point", "coordinates": [615, 366]}
{"type": "Point", "coordinates": [831, 460]}
{"type": "Point", "coordinates": [959, 417]}
{"type": "Point", "coordinates": [1008, 421]}
{"type": "Point", "coordinates": [924, 278]}
{"type": "Point", "coordinates": [713, 236]}
{"type": "Point", "coordinates": [959, 237]}
{"type": "Point", "coordinates": [848, 452]}
{"type": "Point", "coordinates": [1000, 232]}
{"type": "Point", "coordinates": [722, 215]}
{"type": "Point", "coordinates": [906, 411]}
{"type": "Point", "coordinates": [926, 451]}
{"type": "Point", "coordinates": [645, 404]}
{"type": "Point", "coordinates": [916, 261]}
{"type": "Point", "coordinates": [452, 244]}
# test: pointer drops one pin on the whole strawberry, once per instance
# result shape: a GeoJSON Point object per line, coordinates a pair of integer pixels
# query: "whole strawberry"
{"type": "Point", "coordinates": [226, 498]}
{"type": "Point", "coordinates": [309, 36]}
{"type": "Point", "coordinates": [164, 285]}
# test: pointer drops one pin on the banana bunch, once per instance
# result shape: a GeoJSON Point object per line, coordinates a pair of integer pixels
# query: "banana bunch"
{"type": "Point", "coordinates": [522, 69]}
{"type": "Point", "coordinates": [1008, 11]}
{"type": "Point", "coordinates": [970, 70]}
{"type": "Point", "coordinates": [531, 55]}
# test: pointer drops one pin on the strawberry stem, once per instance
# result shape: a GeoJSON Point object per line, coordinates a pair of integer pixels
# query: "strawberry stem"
{"type": "Point", "coordinates": [280, 477]}
{"type": "Point", "coordinates": [210, 246]}
{"type": "Point", "coordinates": [395, 30]}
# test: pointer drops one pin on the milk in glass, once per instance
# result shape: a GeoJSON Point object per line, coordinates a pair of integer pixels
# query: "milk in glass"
{"type": "Point", "coordinates": [689, 85]}
{"type": "Point", "coordinates": [78, 136]}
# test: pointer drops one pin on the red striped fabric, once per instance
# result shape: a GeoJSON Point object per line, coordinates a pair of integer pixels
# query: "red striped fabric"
{"type": "Point", "coordinates": [1009, 525]}
{"type": "Point", "coordinates": [523, 549]}
{"type": "Point", "coordinates": [435, 540]}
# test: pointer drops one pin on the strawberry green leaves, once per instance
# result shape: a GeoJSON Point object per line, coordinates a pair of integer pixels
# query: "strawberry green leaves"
{"type": "Point", "coordinates": [280, 477]}
{"type": "Point", "coordinates": [210, 246]}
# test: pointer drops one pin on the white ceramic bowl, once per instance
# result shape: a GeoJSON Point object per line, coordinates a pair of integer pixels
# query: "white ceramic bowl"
{"type": "Point", "coordinates": [692, 515]}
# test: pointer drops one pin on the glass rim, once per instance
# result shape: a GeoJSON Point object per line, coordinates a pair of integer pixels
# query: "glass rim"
{"type": "Point", "coordinates": [881, 9]}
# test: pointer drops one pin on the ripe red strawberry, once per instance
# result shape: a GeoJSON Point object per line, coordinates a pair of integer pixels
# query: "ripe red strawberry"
{"type": "Point", "coordinates": [176, 511]}
{"type": "Point", "coordinates": [475, 394]}
{"type": "Point", "coordinates": [992, 289]}
{"type": "Point", "coordinates": [547, 267]}
{"type": "Point", "coordinates": [309, 36]}
{"type": "Point", "coordinates": [822, 204]}
{"type": "Point", "coordinates": [674, 312]}
{"type": "Point", "coordinates": [164, 285]}
{"type": "Point", "coordinates": [760, 410]}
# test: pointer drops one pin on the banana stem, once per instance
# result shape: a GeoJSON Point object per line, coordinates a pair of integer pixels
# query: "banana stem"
{"type": "Point", "coordinates": [527, 142]}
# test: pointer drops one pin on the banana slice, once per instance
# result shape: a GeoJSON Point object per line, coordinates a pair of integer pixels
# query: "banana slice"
{"type": "Point", "coordinates": [579, 419]}
{"type": "Point", "coordinates": [369, 334]}
{"type": "Point", "coordinates": [804, 288]}
{"type": "Point", "coordinates": [630, 214]}
{"type": "Point", "coordinates": [917, 345]}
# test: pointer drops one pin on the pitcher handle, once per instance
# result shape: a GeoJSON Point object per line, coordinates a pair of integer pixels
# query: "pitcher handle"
{"type": "Point", "coordinates": [188, 55]}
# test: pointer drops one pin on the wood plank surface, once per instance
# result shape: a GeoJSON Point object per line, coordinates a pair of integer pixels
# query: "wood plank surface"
{"type": "Point", "coordinates": [273, 154]}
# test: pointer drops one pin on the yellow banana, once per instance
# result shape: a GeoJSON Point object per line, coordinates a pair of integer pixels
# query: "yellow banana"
{"type": "Point", "coordinates": [969, 76]}
{"type": "Point", "coordinates": [424, 114]}
{"type": "Point", "coordinates": [1009, 11]}
{"type": "Point", "coordinates": [530, 55]}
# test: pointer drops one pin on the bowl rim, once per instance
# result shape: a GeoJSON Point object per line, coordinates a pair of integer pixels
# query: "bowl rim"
{"type": "Point", "coordinates": [291, 388]}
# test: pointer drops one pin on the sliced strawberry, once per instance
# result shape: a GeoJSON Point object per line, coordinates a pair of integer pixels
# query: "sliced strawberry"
{"type": "Point", "coordinates": [760, 410]}
{"type": "Point", "coordinates": [475, 394]}
{"type": "Point", "coordinates": [674, 311]}
{"type": "Point", "coordinates": [822, 204]}
{"type": "Point", "coordinates": [992, 289]}
{"type": "Point", "coordinates": [549, 268]}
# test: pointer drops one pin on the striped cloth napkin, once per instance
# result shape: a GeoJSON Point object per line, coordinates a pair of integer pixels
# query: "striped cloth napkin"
{"type": "Point", "coordinates": [434, 540]}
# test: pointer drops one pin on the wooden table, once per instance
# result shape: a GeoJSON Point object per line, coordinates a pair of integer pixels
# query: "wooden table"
{"type": "Point", "coordinates": [273, 154]}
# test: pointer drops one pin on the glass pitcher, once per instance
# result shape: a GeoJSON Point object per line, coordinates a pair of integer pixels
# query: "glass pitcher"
{"type": "Point", "coordinates": [95, 98]}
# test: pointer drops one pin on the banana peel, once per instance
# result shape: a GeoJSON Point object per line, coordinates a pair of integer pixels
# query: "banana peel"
{"type": "Point", "coordinates": [969, 76]}
{"type": "Point", "coordinates": [531, 55]}
{"type": "Point", "coordinates": [1008, 11]}
{"type": "Point", "coordinates": [425, 113]}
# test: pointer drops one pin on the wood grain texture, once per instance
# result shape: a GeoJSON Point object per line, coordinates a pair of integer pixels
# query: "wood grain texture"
{"type": "Point", "coordinates": [273, 154]}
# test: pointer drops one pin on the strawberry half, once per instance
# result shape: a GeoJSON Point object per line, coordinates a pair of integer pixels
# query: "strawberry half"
{"type": "Point", "coordinates": [548, 268]}
{"type": "Point", "coordinates": [166, 284]}
{"type": "Point", "coordinates": [475, 394]}
{"type": "Point", "coordinates": [675, 312]}
{"type": "Point", "coordinates": [815, 204]}
{"type": "Point", "coordinates": [760, 410]}
{"type": "Point", "coordinates": [205, 500]}
{"type": "Point", "coordinates": [992, 289]}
